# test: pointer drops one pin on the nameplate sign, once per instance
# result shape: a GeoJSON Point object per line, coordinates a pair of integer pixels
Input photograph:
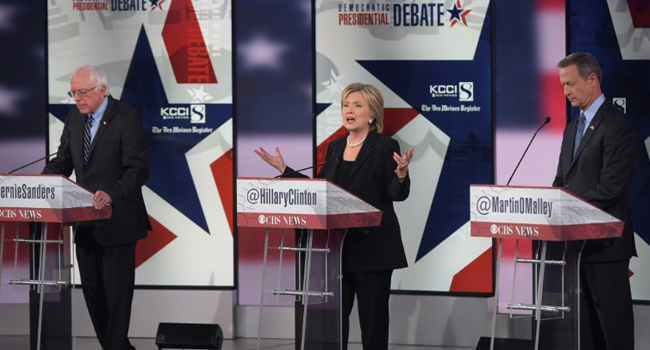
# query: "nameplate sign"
{"type": "Point", "coordinates": [46, 198]}
{"type": "Point", "coordinates": [537, 213]}
{"type": "Point", "coordinates": [301, 203]}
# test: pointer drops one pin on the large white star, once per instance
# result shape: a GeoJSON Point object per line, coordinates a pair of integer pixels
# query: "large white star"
{"type": "Point", "coordinates": [260, 52]}
{"type": "Point", "coordinates": [647, 146]}
{"type": "Point", "coordinates": [199, 95]}
{"type": "Point", "coordinates": [305, 6]}
{"type": "Point", "coordinates": [6, 17]}
{"type": "Point", "coordinates": [334, 84]}
{"type": "Point", "coordinates": [9, 100]}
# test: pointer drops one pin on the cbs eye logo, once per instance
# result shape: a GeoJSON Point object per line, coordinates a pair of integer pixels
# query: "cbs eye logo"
{"type": "Point", "coordinates": [466, 91]}
{"type": "Point", "coordinates": [197, 114]}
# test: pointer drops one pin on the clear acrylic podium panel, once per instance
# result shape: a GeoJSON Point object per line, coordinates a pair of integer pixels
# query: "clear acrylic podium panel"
{"type": "Point", "coordinates": [561, 330]}
{"type": "Point", "coordinates": [558, 326]}
{"type": "Point", "coordinates": [315, 258]}
{"type": "Point", "coordinates": [23, 264]}
{"type": "Point", "coordinates": [322, 327]}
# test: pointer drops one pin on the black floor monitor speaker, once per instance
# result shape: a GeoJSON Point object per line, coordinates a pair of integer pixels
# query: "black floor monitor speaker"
{"type": "Point", "coordinates": [504, 344]}
{"type": "Point", "coordinates": [189, 336]}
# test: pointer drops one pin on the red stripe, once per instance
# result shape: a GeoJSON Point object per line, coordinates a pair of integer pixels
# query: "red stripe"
{"type": "Point", "coordinates": [54, 215]}
{"type": "Point", "coordinates": [304, 221]}
{"type": "Point", "coordinates": [475, 277]}
{"type": "Point", "coordinates": [640, 11]}
{"type": "Point", "coordinates": [222, 171]}
{"type": "Point", "coordinates": [185, 45]}
{"type": "Point", "coordinates": [547, 232]}
{"type": "Point", "coordinates": [156, 240]}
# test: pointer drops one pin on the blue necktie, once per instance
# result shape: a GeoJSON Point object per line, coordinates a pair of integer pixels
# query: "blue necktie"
{"type": "Point", "coordinates": [87, 137]}
{"type": "Point", "coordinates": [580, 132]}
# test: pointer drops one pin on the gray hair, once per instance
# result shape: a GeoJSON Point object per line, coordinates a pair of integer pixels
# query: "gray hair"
{"type": "Point", "coordinates": [586, 64]}
{"type": "Point", "coordinates": [97, 76]}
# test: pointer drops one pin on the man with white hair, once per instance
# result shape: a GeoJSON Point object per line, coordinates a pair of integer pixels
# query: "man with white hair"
{"type": "Point", "coordinates": [103, 141]}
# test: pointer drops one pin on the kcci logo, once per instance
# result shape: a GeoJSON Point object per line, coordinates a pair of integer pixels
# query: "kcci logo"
{"type": "Point", "coordinates": [195, 113]}
{"type": "Point", "coordinates": [464, 90]}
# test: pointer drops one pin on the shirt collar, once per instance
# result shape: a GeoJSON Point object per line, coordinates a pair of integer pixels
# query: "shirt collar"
{"type": "Point", "coordinates": [591, 111]}
{"type": "Point", "coordinates": [99, 113]}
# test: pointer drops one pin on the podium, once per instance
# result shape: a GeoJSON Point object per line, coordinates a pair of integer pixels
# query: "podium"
{"type": "Point", "coordinates": [560, 222]}
{"type": "Point", "coordinates": [46, 200]}
{"type": "Point", "coordinates": [323, 210]}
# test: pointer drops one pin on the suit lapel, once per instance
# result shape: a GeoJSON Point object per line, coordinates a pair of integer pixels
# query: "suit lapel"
{"type": "Point", "coordinates": [333, 169]}
{"type": "Point", "coordinates": [103, 124]}
{"type": "Point", "coordinates": [589, 132]}
{"type": "Point", "coordinates": [567, 152]}
{"type": "Point", "coordinates": [366, 150]}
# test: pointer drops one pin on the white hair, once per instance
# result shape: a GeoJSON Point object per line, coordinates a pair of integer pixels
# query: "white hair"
{"type": "Point", "coordinates": [97, 76]}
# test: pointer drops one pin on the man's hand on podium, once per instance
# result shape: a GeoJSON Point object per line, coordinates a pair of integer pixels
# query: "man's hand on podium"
{"type": "Point", "coordinates": [101, 200]}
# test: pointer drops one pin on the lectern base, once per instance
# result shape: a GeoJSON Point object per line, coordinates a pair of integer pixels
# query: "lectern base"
{"type": "Point", "coordinates": [504, 344]}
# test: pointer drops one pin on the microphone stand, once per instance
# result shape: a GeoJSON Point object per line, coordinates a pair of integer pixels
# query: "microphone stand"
{"type": "Point", "coordinates": [38, 160]}
{"type": "Point", "coordinates": [546, 121]}
{"type": "Point", "coordinates": [309, 167]}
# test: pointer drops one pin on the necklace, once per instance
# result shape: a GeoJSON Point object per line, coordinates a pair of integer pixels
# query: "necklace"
{"type": "Point", "coordinates": [356, 144]}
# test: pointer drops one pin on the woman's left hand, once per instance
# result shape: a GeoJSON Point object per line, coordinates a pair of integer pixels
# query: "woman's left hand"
{"type": "Point", "coordinates": [403, 162]}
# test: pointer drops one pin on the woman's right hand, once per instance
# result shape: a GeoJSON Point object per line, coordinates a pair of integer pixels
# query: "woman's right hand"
{"type": "Point", "coordinates": [275, 161]}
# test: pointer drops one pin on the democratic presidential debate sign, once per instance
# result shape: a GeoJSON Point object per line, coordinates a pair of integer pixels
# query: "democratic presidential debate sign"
{"type": "Point", "coordinates": [172, 61]}
{"type": "Point", "coordinates": [617, 33]}
{"type": "Point", "coordinates": [432, 62]}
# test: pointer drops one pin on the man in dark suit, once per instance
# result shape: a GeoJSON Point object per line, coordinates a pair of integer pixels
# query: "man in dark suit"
{"type": "Point", "coordinates": [596, 163]}
{"type": "Point", "coordinates": [104, 143]}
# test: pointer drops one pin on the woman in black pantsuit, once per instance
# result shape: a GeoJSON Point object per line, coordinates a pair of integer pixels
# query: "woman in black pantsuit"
{"type": "Point", "coordinates": [369, 165]}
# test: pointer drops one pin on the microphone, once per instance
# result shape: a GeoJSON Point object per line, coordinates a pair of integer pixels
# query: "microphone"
{"type": "Point", "coordinates": [546, 121]}
{"type": "Point", "coordinates": [46, 157]}
{"type": "Point", "coordinates": [310, 167]}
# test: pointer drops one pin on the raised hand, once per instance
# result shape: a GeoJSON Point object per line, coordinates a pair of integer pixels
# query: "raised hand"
{"type": "Point", "coordinates": [403, 163]}
{"type": "Point", "coordinates": [275, 161]}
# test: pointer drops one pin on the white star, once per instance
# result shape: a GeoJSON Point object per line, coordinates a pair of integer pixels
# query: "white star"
{"type": "Point", "coordinates": [199, 95]}
{"type": "Point", "coordinates": [67, 101]}
{"type": "Point", "coordinates": [260, 52]}
{"type": "Point", "coordinates": [334, 84]}
{"type": "Point", "coordinates": [305, 6]}
{"type": "Point", "coordinates": [6, 17]}
{"type": "Point", "coordinates": [647, 146]}
{"type": "Point", "coordinates": [9, 100]}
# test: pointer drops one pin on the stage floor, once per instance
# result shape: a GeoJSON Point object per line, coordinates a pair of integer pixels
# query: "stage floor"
{"type": "Point", "coordinates": [22, 343]}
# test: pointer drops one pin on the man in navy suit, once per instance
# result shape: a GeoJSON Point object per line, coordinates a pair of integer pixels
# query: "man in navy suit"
{"type": "Point", "coordinates": [596, 163]}
{"type": "Point", "coordinates": [103, 141]}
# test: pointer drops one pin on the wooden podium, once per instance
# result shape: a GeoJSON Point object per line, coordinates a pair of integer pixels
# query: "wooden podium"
{"type": "Point", "coordinates": [560, 222]}
{"type": "Point", "coordinates": [46, 200]}
{"type": "Point", "coordinates": [323, 210]}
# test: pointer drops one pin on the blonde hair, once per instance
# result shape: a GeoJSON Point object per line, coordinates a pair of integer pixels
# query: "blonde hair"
{"type": "Point", "coordinates": [375, 102]}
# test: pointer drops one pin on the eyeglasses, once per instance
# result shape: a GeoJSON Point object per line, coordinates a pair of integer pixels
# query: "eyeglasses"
{"type": "Point", "coordinates": [82, 92]}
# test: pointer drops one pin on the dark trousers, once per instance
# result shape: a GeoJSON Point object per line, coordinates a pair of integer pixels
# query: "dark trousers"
{"type": "Point", "coordinates": [606, 315]}
{"type": "Point", "coordinates": [372, 290]}
{"type": "Point", "coordinates": [107, 280]}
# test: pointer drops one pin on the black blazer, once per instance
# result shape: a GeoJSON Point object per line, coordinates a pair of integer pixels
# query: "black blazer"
{"type": "Point", "coordinates": [117, 164]}
{"type": "Point", "coordinates": [601, 174]}
{"type": "Point", "coordinates": [372, 178]}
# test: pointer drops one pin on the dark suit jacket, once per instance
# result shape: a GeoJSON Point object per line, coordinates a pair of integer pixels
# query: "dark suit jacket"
{"type": "Point", "coordinates": [117, 165]}
{"type": "Point", "coordinates": [372, 179]}
{"type": "Point", "coordinates": [601, 174]}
